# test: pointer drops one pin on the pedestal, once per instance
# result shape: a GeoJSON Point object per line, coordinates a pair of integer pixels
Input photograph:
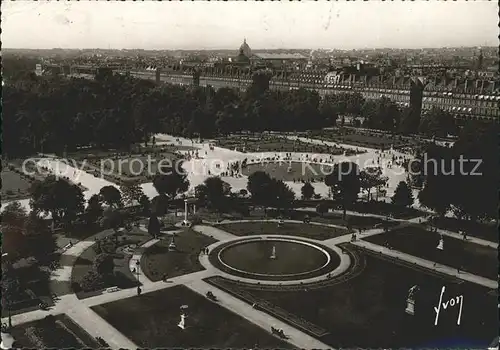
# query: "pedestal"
{"type": "Point", "coordinates": [440, 245]}
{"type": "Point", "coordinates": [172, 247]}
{"type": "Point", "coordinates": [7, 341]}
{"type": "Point", "coordinates": [182, 323]}
{"type": "Point", "coordinates": [410, 307]}
{"type": "Point", "coordinates": [273, 254]}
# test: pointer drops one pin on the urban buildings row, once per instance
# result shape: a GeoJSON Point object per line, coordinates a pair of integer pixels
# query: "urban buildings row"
{"type": "Point", "coordinates": [464, 98]}
{"type": "Point", "coordinates": [465, 94]}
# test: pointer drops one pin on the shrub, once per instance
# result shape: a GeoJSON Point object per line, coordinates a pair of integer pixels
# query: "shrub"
{"type": "Point", "coordinates": [92, 281]}
{"type": "Point", "coordinates": [32, 334]}
{"type": "Point", "coordinates": [322, 208]}
{"type": "Point", "coordinates": [196, 220]}
{"type": "Point", "coordinates": [97, 248]}
{"type": "Point", "coordinates": [104, 264]}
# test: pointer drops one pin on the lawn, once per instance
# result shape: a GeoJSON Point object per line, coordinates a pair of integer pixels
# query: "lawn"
{"type": "Point", "coordinates": [127, 167]}
{"type": "Point", "coordinates": [374, 140]}
{"type": "Point", "coordinates": [270, 143]}
{"type": "Point", "coordinates": [362, 139]}
{"type": "Point", "coordinates": [91, 153]}
{"type": "Point", "coordinates": [317, 232]}
{"type": "Point", "coordinates": [151, 321]}
{"type": "Point", "coordinates": [157, 261]}
{"type": "Point", "coordinates": [384, 208]}
{"type": "Point", "coordinates": [14, 186]}
{"type": "Point", "coordinates": [172, 148]}
{"type": "Point", "coordinates": [355, 221]}
{"type": "Point", "coordinates": [58, 332]}
{"type": "Point", "coordinates": [123, 278]}
{"type": "Point", "coordinates": [367, 310]}
{"type": "Point", "coordinates": [417, 241]}
{"type": "Point", "coordinates": [287, 171]}
{"type": "Point", "coordinates": [487, 231]}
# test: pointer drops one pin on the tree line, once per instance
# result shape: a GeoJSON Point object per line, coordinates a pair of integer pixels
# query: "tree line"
{"type": "Point", "coordinates": [462, 179]}
{"type": "Point", "coordinates": [50, 114]}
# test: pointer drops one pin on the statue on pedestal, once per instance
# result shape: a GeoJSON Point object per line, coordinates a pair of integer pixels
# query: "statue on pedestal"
{"type": "Point", "coordinates": [172, 247]}
{"type": "Point", "coordinates": [440, 245]}
{"type": "Point", "coordinates": [182, 323]}
{"type": "Point", "coordinates": [273, 253]}
{"type": "Point", "coordinates": [410, 300]}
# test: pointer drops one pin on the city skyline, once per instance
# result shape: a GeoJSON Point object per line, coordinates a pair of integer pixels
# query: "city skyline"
{"type": "Point", "coordinates": [265, 25]}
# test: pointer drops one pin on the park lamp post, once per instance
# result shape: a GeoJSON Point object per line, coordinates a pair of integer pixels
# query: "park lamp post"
{"type": "Point", "coordinates": [137, 266]}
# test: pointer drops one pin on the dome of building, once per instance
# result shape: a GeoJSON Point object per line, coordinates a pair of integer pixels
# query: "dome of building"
{"type": "Point", "coordinates": [245, 48]}
{"type": "Point", "coordinates": [241, 58]}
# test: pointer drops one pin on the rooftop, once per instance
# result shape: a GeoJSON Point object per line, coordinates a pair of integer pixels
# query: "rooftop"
{"type": "Point", "coordinates": [280, 56]}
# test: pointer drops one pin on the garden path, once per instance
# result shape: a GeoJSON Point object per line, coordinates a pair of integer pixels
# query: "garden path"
{"type": "Point", "coordinates": [451, 271]}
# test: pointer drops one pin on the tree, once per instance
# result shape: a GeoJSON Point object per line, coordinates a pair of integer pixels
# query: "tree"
{"type": "Point", "coordinates": [369, 179]}
{"type": "Point", "coordinates": [382, 114]}
{"type": "Point", "coordinates": [226, 188]}
{"type": "Point", "coordinates": [14, 242]}
{"type": "Point", "coordinates": [104, 264]}
{"type": "Point", "coordinates": [260, 187]}
{"type": "Point", "coordinates": [159, 205]}
{"type": "Point", "coordinates": [437, 122]}
{"type": "Point", "coordinates": [10, 290]}
{"type": "Point", "coordinates": [41, 243]}
{"type": "Point", "coordinates": [402, 195]}
{"type": "Point", "coordinates": [58, 197]}
{"type": "Point", "coordinates": [307, 190]}
{"type": "Point", "coordinates": [112, 219]}
{"type": "Point", "coordinates": [171, 184]}
{"type": "Point", "coordinates": [13, 238]}
{"type": "Point", "coordinates": [344, 183]}
{"type": "Point", "coordinates": [260, 84]}
{"type": "Point", "coordinates": [475, 154]}
{"type": "Point", "coordinates": [111, 196]}
{"type": "Point", "coordinates": [131, 193]}
{"type": "Point", "coordinates": [14, 214]}
{"type": "Point", "coordinates": [282, 196]}
{"type": "Point", "coordinates": [145, 204]}
{"type": "Point", "coordinates": [200, 192]}
{"type": "Point", "coordinates": [25, 235]}
{"type": "Point", "coordinates": [410, 121]}
{"type": "Point", "coordinates": [433, 199]}
{"type": "Point", "coordinates": [94, 209]}
{"type": "Point", "coordinates": [438, 189]}
{"type": "Point", "coordinates": [215, 192]}
{"type": "Point", "coordinates": [154, 226]}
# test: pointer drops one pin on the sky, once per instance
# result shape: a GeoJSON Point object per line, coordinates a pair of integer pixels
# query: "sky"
{"type": "Point", "coordinates": [265, 25]}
